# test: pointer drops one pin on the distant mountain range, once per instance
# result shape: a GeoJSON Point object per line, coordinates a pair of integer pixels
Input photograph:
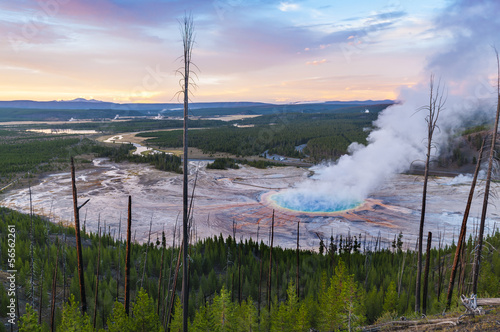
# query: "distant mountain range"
{"type": "Point", "coordinates": [92, 104]}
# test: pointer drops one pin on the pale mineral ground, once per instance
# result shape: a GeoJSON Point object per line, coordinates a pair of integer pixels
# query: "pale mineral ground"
{"type": "Point", "coordinates": [242, 195]}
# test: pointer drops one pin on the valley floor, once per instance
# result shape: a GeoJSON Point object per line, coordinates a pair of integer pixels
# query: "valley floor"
{"type": "Point", "coordinates": [222, 196]}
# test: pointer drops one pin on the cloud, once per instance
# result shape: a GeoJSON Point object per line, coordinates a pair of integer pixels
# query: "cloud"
{"type": "Point", "coordinates": [316, 62]}
{"type": "Point", "coordinates": [287, 6]}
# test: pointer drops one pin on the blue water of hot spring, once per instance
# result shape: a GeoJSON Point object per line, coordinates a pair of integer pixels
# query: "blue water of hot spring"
{"type": "Point", "coordinates": [312, 203]}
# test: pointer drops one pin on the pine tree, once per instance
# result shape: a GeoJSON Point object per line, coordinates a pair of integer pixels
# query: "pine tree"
{"type": "Point", "coordinates": [73, 320]}
{"type": "Point", "coordinates": [119, 320]}
{"type": "Point", "coordinates": [391, 298]}
{"type": "Point", "coordinates": [247, 316]}
{"type": "Point", "coordinates": [222, 312]}
{"type": "Point", "coordinates": [201, 322]}
{"type": "Point", "coordinates": [176, 323]}
{"type": "Point", "coordinates": [145, 316]}
{"type": "Point", "coordinates": [29, 321]}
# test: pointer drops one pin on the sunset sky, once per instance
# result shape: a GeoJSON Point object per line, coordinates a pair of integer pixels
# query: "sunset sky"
{"type": "Point", "coordinates": [268, 51]}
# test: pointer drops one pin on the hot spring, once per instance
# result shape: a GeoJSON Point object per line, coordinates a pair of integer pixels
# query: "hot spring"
{"type": "Point", "coordinates": [312, 202]}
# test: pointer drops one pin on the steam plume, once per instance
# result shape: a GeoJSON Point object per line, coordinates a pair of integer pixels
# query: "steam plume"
{"type": "Point", "coordinates": [466, 67]}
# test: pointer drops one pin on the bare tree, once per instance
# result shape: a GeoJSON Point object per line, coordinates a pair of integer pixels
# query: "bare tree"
{"type": "Point", "coordinates": [54, 289]}
{"type": "Point", "coordinates": [463, 229]}
{"type": "Point", "coordinates": [298, 261]}
{"type": "Point", "coordinates": [126, 302]}
{"type": "Point", "coordinates": [477, 258]}
{"type": "Point", "coordinates": [270, 266]}
{"type": "Point", "coordinates": [97, 271]}
{"type": "Point", "coordinates": [146, 253]}
{"type": "Point", "coordinates": [436, 105]}
{"type": "Point", "coordinates": [32, 241]}
{"type": "Point", "coordinates": [187, 33]}
{"type": "Point", "coordinates": [118, 273]}
{"type": "Point", "coordinates": [160, 277]}
{"type": "Point", "coordinates": [426, 272]}
{"type": "Point", "coordinates": [76, 209]}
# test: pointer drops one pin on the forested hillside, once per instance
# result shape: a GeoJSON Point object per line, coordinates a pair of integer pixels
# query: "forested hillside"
{"type": "Point", "coordinates": [327, 135]}
{"type": "Point", "coordinates": [26, 155]}
{"type": "Point", "coordinates": [349, 282]}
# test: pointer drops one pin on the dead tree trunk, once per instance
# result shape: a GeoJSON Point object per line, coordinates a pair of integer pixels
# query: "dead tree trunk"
{"type": "Point", "coordinates": [297, 273]}
{"type": "Point", "coordinates": [260, 288]}
{"type": "Point", "coordinates": [97, 274]}
{"type": "Point", "coordinates": [463, 267]}
{"type": "Point", "coordinates": [239, 275]}
{"type": "Point", "coordinates": [187, 30]}
{"type": "Point", "coordinates": [172, 298]}
{"type": "Point", "coordinates": [463, 229]}
{"type": "Point", "coordinates": [32, 245]}
{"type": "Point", "coordinates": [440, 268]}
{"type": "Point", "coordinates": [64, 268]}
{"type": "Point", "coordinates": [165, 307]}
{"type": "Point", "coordinates": [436, 105]}
{"type": "Point", "coordinates": [127, 256]}
{"type": "Point", "coordinates": [40, 302]}
{"type": "Point", "coordinates": [477, 258]}
{"type": "Point", "coordinates": [277, 283]}
{"type": "Point", "coordinates": [54, 290]}
{"type": "Point", "coordinates": [270, 265]}
{"type": "Point", "coordinates": [76, 209]}
{"type": "Point", "coordinates": [146, 254]}
{"type": "Point", "coordinates": [119, 271]}
{"type": "Point", "coordinates": [160, 277]}
{"type": "Point", "coordinates": [426, 273]}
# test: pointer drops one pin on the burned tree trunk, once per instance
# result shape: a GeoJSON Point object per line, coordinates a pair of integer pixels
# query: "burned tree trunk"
{"type": "Point", "coordinates": [97, 274]}
{"type": "Point", "coordinates": [76, 209]}
{"type": "Point", "coordinates": [127, 256]}
{"type": "Point", "coordinates": [270, 265]}
{"type": "Point", "coordinates": [239, 275]}
{"type": "Point", "coordinates": [164, 243]}
{"type": "Point", "coordinates": [477, 257]}
{"type": "Point", "coordinates": [172, 298]}
{"type": "Point", "coordinates": [40, 302]}
{"type": "Point", "coordinates": [146, 254]}
{"type": "Point", "coordinates": [436, 105]}
{"type": "Point", "coordinates": [463, 229]}
{"type": "Point", "coordinates": [297, 273]}
{"type": "Point", "coordinates": [426, 273]}
{"type": "Point", "coordinates": [260, 288]}
{"type": "Point", "coordinates": [54, 290]}
{"type": "Point", "coordinates": [187, 32]}
{"type": "Point", "coordinates": [119, 271]}
{"type": "Point", "coordinates": [32, 244]}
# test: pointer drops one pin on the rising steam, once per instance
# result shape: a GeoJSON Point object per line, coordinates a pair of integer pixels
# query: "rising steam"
{"type": "Point", "coordinates": [467, 68]}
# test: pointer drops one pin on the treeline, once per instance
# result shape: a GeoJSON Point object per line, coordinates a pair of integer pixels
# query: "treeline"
{"type": "Point", "coordinates": [135, 125]}
{"type": "Point", "coordinates": [122, 152]}
{"type": "Point", "coordinates": [26, 153]}
{"type": "Point", "coordinates": [350, 283]}
{"type": "Point", "coordinates": [31, 114]}
{"type": "Point", "coordinates": [225, 163]}
{"type": "Point", "coordinates": [335, 133]}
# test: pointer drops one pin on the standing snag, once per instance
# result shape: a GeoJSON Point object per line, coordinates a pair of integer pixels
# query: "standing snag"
{"type": "Point", "coordinates": [436, 105]}
{"type": "Point", "coordinates": [127, 256]}
{"type": "Point", "coordinates": [477, 257]}
{"type": "Point", "coordinates": [76, 209]}
{"type": "Point", "coordinates": [187, 33]}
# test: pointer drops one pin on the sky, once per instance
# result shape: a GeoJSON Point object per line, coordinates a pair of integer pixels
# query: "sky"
{"type": "Point", "coordinates": [246, 50]}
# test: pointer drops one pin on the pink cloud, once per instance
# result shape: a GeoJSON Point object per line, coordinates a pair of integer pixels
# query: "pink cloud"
{"type": "Point", "coordinates": [316, 62]}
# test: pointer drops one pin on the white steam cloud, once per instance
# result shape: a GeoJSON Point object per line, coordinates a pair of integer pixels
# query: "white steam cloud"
{"type": "Point", "coordinates": [467, 68]}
